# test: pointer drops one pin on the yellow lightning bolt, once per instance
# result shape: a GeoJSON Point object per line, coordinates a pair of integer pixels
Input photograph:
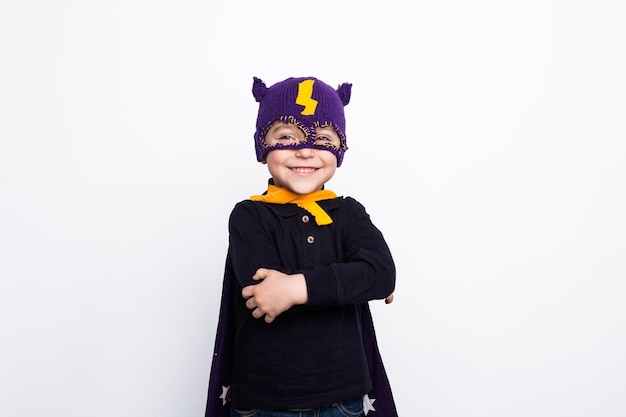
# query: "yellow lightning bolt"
{"type": "Point", "coordinates": [305, 90]}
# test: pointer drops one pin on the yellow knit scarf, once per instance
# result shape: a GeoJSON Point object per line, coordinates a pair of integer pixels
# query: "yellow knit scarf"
{"type": "Point", "coordinates": [308, 202]}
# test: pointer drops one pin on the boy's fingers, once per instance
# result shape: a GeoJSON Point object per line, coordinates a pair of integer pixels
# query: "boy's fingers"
{"type": "Point", "coordinates": [259, 274]}
{"type": "Point", "coordinates": [250, 303]}
{"type": "Point", "coordinates": [247, 292]}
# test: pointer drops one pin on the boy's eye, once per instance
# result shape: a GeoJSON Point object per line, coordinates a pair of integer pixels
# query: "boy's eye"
{"type": "Point", "coordinates": [288, 137]}
{"type": "Point", "coordinates": [324, 140]}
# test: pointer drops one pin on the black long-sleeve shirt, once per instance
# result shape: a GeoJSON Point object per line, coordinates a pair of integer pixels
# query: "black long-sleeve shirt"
{"type": "Point", "coordinates": [311, 355]}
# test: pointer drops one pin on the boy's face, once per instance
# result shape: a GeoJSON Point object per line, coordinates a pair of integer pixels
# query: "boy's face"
{"type": "Point", "coordinates": [302, 170]}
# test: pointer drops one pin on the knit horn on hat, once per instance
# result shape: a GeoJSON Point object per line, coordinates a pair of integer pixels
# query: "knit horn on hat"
{"type": "Point", "coordinates": [306, 102]}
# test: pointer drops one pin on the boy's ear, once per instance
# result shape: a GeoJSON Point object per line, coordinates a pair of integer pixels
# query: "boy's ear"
{"type": "Point", "coordinates": [259, 89]}
{"type": "Point", "coordinates": [345, 91]}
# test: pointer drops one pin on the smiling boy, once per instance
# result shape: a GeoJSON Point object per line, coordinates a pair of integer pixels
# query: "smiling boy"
{"type": "Point", "coordinates": [295, 335]}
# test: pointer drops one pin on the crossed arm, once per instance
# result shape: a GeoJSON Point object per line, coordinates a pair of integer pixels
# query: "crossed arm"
{"type": "Point", "coordinates": [364, 272]}
{"type": "Point", "coordinates": [277, 292]}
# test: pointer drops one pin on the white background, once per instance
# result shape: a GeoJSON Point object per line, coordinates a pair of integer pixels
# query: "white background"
{"type": "Point", "coordinates": [487, 141]}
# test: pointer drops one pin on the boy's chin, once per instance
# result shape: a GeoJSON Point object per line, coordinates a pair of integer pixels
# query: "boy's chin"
{"type": "Point", "coordinates": [302, 188]}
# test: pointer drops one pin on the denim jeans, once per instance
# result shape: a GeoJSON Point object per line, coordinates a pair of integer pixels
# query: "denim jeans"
{"type": "Point", "coordinates": [350, 408]}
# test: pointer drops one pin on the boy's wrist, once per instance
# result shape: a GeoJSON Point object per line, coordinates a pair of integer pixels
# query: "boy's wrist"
{"type": "Point", "coordinates": [300, 293]}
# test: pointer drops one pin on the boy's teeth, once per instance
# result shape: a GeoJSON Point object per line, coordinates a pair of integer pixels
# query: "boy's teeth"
{"type": "Point", "coordinates": [304, 169]}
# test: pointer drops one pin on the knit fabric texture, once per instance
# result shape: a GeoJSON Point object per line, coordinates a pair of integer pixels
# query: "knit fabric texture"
{"type": "Point", "coordinates": [306, 102]}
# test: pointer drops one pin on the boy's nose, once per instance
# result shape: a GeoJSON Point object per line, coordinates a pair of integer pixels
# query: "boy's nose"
{"type": "Point", "coordinates": [304, 152]}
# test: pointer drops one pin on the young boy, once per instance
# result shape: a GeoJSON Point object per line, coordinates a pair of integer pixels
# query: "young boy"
{"type": "Point", "coordinates": [295, 335]}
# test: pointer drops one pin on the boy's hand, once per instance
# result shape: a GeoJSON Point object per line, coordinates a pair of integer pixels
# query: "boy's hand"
{"type": "Point", "coordinates": [389, 299]}
{"type": "Point", "coordinates": [276, 293]}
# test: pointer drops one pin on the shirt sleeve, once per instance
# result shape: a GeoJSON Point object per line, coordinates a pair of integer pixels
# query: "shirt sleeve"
{"type": "Point", "coordinates": [367, 270]}
{"type": "Point", "coordinates": [250, 245]}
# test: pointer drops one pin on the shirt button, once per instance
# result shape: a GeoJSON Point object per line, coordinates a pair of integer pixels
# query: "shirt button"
{"type": "Point", "coordinates": [305, 219]}
{"type": "Point", "coordinates": [310, 239]}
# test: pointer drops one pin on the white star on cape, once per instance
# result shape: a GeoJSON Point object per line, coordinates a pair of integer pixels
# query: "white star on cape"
{"type": "Point", "coordinates": [224, 395]}
{"type": "Point", "coordinates": [368, 404]}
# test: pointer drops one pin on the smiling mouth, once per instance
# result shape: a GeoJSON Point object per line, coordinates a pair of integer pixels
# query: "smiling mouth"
{"type": "Point", "coordinates": [304, 170]}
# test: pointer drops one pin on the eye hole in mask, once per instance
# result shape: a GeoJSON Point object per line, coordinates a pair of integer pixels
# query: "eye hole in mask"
{"type": "Point", "coordinates": [282, 135]}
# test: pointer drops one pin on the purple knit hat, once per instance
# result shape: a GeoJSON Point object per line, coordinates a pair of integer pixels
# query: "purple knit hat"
{"type": "Point", "coordinates": [306, 102]}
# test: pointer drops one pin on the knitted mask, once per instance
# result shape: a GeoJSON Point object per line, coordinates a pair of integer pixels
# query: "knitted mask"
{"type": "Point", "coordinates": [305, 102]}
